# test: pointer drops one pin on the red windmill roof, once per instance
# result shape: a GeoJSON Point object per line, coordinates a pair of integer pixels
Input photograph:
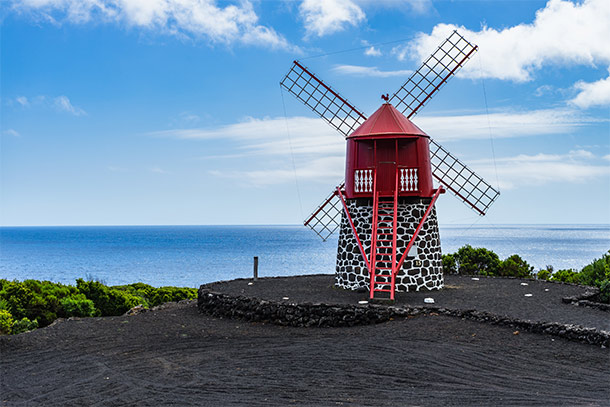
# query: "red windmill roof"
{"type": "Point", "coordinates": [387, 121]}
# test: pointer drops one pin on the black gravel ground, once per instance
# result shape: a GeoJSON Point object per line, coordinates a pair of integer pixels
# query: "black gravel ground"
{"type": "Point", "coordinates": [177, 356]}
{"type": "Point", "coordinates": [501, 296]}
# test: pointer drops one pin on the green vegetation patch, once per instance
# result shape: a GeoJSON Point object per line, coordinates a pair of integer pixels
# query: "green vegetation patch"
{"type": "Point", "coordinates": [480, 261]}
{"type": "Point", "coordinates": [28, 304]}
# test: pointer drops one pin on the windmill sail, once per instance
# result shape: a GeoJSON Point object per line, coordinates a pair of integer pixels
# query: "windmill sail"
{"type": "Point", "coordinates": [326, 219]}
{"type": "Point", "coordinates": [322, 99]}
{"type": "Point", "coordinates": [432, 74]}
{"type": "Point", "coordinates": [461, 180]}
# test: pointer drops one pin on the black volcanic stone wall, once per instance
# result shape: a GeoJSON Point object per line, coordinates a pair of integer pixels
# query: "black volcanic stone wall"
{"type": "Point", "coordinates": [327, 315]}
{"type": "Point", "coordinates": [424, 272]}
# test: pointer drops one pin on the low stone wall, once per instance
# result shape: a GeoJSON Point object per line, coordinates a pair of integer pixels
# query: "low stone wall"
{"type": "Point", "coordinates": [333, 315]}
{"type": "Point", "coordinates": [588, 299]}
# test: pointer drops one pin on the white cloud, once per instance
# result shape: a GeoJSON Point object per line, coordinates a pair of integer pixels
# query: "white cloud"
{"type": "Point", "coordinates": [357, 70]}
{"type": "Point", "coordinates": [593, 93]}
{"type": "Point", "coordinates": [23, 101]}
{"type": "Point", "coordinates": [188, 117]}
{"type": "Point", "coordinates": [196, 19]}
{"type": "Point", "coordinates": [158, 170]}
{"type": "Point", "coordinates": [269, 136]}
{"type": "Point", "coordinates": [314, 136]}
{"type": "Point", "coordinates": [372, 52]}
{"type": "Point", "coordinates": [324, 169]}
{"type": "Point", "coordinates": [11, 132]}
{"type": "Point", "coordinates": [534, 170]}
{"type": "Point", "coordinates": [62, 103]}
{"type": "Point", "coordinates": [503, 124]}
{"type": "Point", "coordinates": [329, 16]}
{"type": "Point", "coordinates": [563, 32]}
{"type": "Point", "coordinates": [319, 151]}
{"type": "Point", "coordinates": [606, 157]}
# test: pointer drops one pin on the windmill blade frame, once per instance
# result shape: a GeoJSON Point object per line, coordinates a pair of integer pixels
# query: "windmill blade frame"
{"type": "Point", "coordinates": [434, 72]}
{"type": "Point", "coordinates": [322, 99]}
{"type": "Point", "coordinates": [464, 183]}
{"type": "Point", "coordinates": [326, 218]}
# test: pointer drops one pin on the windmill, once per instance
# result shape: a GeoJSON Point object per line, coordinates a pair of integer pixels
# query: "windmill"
{"type": "Point", "coordinates": [384, 210]}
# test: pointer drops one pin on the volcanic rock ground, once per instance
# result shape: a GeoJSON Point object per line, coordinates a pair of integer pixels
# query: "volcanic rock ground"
{"type": "Point", "coordinates": [177, 356]}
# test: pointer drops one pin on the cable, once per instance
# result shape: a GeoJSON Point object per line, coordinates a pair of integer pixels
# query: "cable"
{"type": "Point", "coordinates": [294, 167]}
{"type": "Point", "coordinates": [491, 139]}
{"type": "Point", "coordinates": [356, 49]}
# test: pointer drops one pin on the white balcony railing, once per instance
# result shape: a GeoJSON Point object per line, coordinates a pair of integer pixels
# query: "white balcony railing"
{"type": "Point", "coordinates": [408, 180]}
{"type": "Point", "coordinates": [363, 181]}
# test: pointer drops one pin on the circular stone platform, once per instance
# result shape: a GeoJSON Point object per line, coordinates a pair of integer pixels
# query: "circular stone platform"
{"type": "Point", "coordinates": [312, 300]}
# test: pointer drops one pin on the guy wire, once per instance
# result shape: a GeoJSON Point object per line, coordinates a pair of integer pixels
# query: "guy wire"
{"type": "Point", "coordinates": [294, 167]}
{"type": "Point", "coordinates": [491, 139]}
{"type": "Point", "coordinates": [355, 49]}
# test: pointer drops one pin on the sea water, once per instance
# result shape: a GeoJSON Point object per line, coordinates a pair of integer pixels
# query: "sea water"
{"type": "Point", "coordinates": [193, 255]}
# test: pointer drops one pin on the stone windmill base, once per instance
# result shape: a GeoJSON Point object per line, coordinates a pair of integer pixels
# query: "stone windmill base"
{"type": "Point", "coordinates": [424, 271]}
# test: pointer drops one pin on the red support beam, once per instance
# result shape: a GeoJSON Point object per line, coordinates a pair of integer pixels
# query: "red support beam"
{"type": "Point", "coordinates": [439, 191]}
{"type": "Point", "coordinates": [351, 223]}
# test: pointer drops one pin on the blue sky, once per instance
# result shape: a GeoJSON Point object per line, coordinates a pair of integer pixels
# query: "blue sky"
{"type": "Point", "coordinates": [170, 111]}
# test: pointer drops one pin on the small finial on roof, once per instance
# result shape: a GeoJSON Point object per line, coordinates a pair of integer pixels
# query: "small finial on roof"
{"type": "Point", "coordinates": [385, 97]}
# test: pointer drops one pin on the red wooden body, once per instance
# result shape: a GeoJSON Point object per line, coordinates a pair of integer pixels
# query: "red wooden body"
{"type": "Point", "coordinates": [388, 144]}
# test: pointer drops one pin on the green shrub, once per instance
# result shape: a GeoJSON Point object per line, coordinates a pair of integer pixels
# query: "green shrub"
{"type": "Point", "coordinates": [6, 322]}
{"type": "Point", "coordinates": [543, 274]}
{"type": "Point", "coordinates": [151, 296]}
{"type": "Point", "coordinates": [604, 291]}
{"type": "Point", "coordinates": [566, 276]}
{"type": "Point", "coordinates": [33, 303]}
{"type": "Point", "coordinates": [515, 266]}
{"type": "Point", "coordinates": [449, 264]}
{"type": "Point", "coordinates": [478, 261]}
{"type": "Point", "coordinates": [596, 272]}
{"type": "Point", "coordinates": [35, 300]}
{"type": "Point", "coordinates": [143, 291]}
{"type": "Point", "coordinates": [24, 325]}
{"type": "Point", "coordinates": [77, 306]}
{"type": "Point", "coordinates": [167, 294]}
{"type": "Point", "coordinates": [107, 300]}
{"type": "Point", "coordinates": [17, 298]}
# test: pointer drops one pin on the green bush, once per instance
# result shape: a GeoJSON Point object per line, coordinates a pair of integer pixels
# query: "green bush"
{"type": "Point", "coordinates": [77, 306]}
{"type": "Point", "coordinates": [449, 264]}
{"type": "Point", "coordinates": [479, 261]}
{"type": "Point", "coordinates": [107, 300]}
{"type": "Point", "coordinates": [140, 290]}
{"type": "Point", "coordinates": [543, 274]}
{"type": "Point", "coordinates": [515, 266]}
{"type": "Point", "coordinates": [167, 294]}
{"type": "Point", "coordinates": [32, 303]}
{"type": "Point", "coordinates": [6, 322]}
{"type": "Point", "coordinates": [566, 276]}
{"type": "Point", "coordinates": [24, 325]}
{"type": "Point", "coordinates": [152, 296]}
{"type": "Point", "coordinates": [604, 291]}
{"type": "Point", "coordinates": [16, 297]}
{"type": "Point", "coordinates": [27, 299]}
{"type": "Point", "coordinates": [596, 272]}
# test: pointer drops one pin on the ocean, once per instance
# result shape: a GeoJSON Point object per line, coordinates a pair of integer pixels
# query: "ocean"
{"type": "Point", "coordinates": [193, 255]}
